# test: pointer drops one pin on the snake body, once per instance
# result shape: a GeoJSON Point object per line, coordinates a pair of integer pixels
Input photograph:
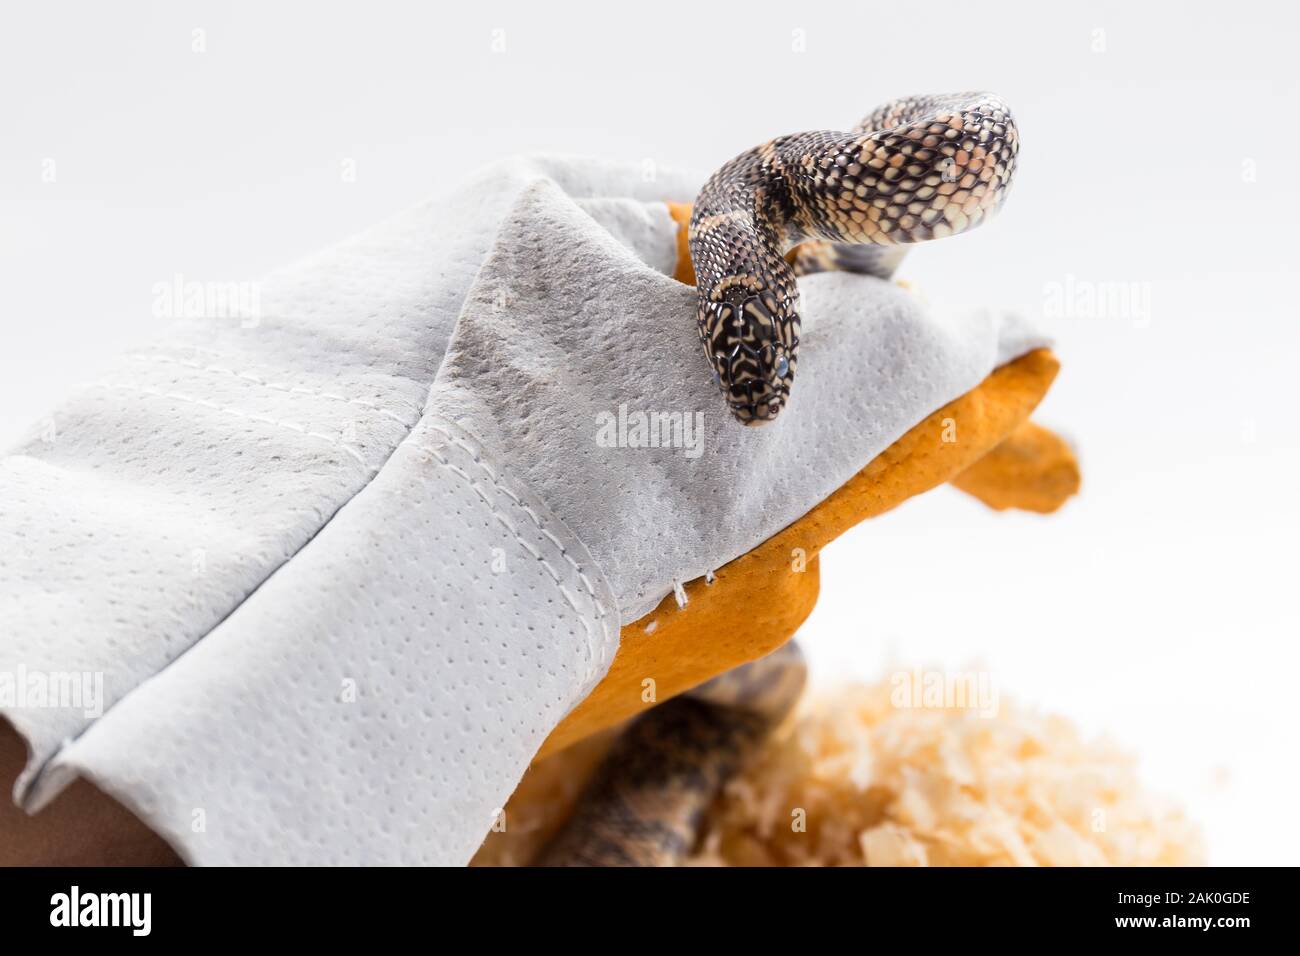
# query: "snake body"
{"type": "Point", "coordinates": [917, 168]}
{"type": "Point", "coordinates": [646, 801]}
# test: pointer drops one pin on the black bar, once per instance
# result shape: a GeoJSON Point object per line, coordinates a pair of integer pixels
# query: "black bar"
{"type": "Point", "coordinates": [979, 906]}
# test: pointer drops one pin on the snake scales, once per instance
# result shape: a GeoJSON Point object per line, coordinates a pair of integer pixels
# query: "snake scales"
{"type": "Point", "coordinates": [917, 168]}
{"type": "Point", "coordinates": [645, 803]}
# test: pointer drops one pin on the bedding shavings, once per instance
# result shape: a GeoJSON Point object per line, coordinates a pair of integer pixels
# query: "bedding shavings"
{"type": "Point", "coordinates": [853, 780]}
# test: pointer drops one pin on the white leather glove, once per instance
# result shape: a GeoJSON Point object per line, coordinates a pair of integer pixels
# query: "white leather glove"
{"type": "Point", "coordinates": [343, 568]}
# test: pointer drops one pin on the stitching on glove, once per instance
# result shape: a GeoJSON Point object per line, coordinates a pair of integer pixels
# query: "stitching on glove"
{"type": "Point", "coordinates": [595, 654]}
{"type": "Point", "coordinates": [597, 650]}
{"type": "Point", "coordinates": [292, 389]}
{"type": "Point", "coordinates": [492, 475]}
{"type": "Point", "coordinates": [230, 410]}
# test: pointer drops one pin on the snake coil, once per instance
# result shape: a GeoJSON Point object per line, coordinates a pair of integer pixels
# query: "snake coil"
{"type": "Point", "coordinates": [917, 168]}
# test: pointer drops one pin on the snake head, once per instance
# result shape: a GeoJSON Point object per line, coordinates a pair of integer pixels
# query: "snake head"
{"type": "Point", "coordinates": [752, 341]}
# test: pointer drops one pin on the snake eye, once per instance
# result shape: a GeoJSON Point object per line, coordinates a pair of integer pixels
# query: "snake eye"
{"type": "Point", "coordinates": [782, 366]}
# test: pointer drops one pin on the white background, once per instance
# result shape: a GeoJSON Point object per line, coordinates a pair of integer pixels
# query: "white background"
{"type": "Point", "coordinates": [1159, 147]}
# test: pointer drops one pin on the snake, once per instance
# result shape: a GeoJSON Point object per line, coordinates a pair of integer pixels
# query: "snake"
{"type": "Point", "coordinates": [646, 802]}
{"type": "Point", "coordinates": [915, 169]}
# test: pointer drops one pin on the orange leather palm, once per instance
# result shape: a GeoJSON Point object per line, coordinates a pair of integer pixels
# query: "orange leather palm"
{"type": "Point", "coordinates": [758, 601]}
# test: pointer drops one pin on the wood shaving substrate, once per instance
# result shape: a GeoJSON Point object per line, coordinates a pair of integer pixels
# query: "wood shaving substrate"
{"type": "Point", "coordinates": [852, 780]}
{"type": "Point", "coordinates": [855, 781]}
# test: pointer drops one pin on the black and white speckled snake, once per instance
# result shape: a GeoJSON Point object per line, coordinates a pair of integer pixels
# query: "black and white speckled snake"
{"type": "Point", "coordinates": [648, 798]}
{"type": "Point", "coordinates": [917, 168]}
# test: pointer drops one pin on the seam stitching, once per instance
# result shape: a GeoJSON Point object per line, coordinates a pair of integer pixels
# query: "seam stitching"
{"type": "Point", "coordinates": [293, 426]}
{"type": "Point", "coordinates": [596, 652]}
{"type": "Point", "coordinates": [283, 387]}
